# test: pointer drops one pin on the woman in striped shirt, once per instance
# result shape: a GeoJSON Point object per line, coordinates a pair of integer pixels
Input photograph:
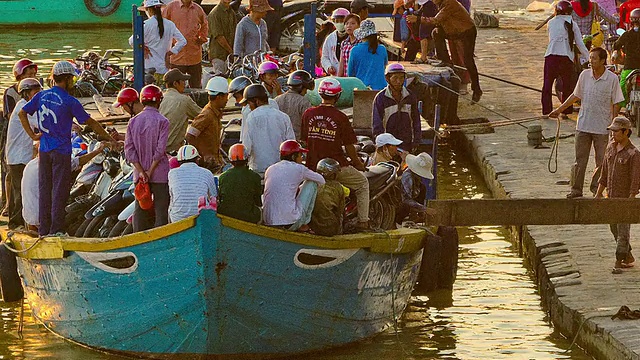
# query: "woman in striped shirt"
{"type": "Point", "coordinates": [351, 23]}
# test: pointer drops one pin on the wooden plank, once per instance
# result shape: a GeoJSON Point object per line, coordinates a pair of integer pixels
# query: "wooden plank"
{"type": "Point", "coordinates": [473, 212]}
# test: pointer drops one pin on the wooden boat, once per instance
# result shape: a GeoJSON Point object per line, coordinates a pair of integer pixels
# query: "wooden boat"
{"type": "Point", "coordinates": [215, 287]}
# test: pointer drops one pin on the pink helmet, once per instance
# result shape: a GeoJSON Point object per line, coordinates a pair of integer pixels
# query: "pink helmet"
{"type": "Point", "coordinates": [340, 12]}
{"type": "Point", "coordinates": [268, 67]}
{"type": "Point", "coordinates": [21, 65]}
{"type": "Point", "coordinates": [330, 87]}
{"type": "Point", "coordinates": [394, 68]}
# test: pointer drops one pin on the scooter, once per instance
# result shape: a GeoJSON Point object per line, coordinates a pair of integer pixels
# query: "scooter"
{"type": "Point", "coordinates": [633, 106]}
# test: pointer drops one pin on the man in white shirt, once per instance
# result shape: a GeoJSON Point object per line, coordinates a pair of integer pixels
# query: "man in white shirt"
{"type": "Point", "coordinates": [283, 205]}
{"type": "Point", "coordinates": [600, 94]}
{"type": "Point", "coordinates": [31, 190]}
{"type": "Point", "coordinates": [265, 129]}
{"type": "Point", "coordinates": [187, 184]}
{"type": "Point", "coordinates": [236, 89]}
{"type": "Point", "coordinates": [558, 60]}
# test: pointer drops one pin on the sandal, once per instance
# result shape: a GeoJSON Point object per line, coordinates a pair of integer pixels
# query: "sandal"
{"type": "Point", "coordinates": [306, 231]}
{"type": "Point", "coordinates": [616, 271]}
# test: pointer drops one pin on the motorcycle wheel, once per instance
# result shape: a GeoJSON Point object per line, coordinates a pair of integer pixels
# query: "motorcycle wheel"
{"type": "Point", "coordinates": [389, 215]}
{"type": "Point", "coordinates": [74, 226]}
{"type": "Point", "coordinates": [94, 226]}
{"type": "Point", "coordinates": [107, 226]}
{"type": "Point", "coordinates": [118, 228]}
{"type": "Point", "coordinates": [82, 227]}
{"type": "Point", "coordinates": [376, 214]}
{"type": "Point", "coordinates": [127, 230]}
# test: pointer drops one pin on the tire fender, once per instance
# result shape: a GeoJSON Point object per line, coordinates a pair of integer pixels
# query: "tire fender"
{"type": "Point", "coordinates": [105, 10]}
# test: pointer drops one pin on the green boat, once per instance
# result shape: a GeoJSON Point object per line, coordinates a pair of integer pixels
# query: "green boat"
{"type": "Point", "coordinates": [66, 12]}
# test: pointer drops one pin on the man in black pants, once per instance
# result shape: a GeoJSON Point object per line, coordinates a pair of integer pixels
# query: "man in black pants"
{"type": "Point", "coordinates": [454, 22]}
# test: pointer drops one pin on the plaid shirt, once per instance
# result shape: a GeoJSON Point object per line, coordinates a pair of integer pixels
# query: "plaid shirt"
{"type": "Point", "coordinates": [345, 51]}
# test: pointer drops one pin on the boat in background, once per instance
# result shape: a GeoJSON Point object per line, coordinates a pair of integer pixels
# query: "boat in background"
{"type": "Point", "coordinates": [210, 286]}
{"type": "Point", "coordinates": [66, 12]}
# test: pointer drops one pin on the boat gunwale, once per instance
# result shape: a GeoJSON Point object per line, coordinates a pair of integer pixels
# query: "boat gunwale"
{"type": "Point", "coordinates": [404, 240]}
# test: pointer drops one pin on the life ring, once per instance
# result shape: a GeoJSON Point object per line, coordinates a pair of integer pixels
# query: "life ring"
{"type": "Point", "coordinates": [105, 10]}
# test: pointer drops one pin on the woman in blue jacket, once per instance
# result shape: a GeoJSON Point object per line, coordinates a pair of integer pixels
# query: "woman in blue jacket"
{"type": "Point", "coordinates": [369, 58]}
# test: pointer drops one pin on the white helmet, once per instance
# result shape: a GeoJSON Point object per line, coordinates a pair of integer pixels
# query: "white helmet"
{"type": "Point", "coordinates": [217, 85]}
{"type": "Point", "coordinates": [187, 152]}
{"type": "Point", "coordinates": [64, 67]}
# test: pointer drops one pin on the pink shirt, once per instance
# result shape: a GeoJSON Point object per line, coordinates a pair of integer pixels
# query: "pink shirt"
{"type": "Point", "coordinates": [146, 141]}
{"type": "Point", "coordinates": [193, 24]}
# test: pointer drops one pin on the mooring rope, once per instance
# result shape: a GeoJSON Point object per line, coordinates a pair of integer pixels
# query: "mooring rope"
{"type": "Point", "coordinates": [6, 244]}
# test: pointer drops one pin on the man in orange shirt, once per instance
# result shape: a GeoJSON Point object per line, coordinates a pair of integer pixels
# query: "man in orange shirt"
{"type": "Point", "coordinates": [192, 22]}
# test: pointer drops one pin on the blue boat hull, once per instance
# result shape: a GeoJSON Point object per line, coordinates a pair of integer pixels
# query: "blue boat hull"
{"type": "Point", "coordinates": [212, 290]}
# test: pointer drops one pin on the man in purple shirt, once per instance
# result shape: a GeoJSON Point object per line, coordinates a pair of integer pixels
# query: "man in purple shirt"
{"type": "Point", "coordinates": [147, 135]}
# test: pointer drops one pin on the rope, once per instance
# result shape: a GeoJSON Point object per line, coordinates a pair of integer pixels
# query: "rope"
{"type": "Point", "coordinates": [492, 124]}
{"type": "Point", "coordinates": [6, 244]}
{"type": "Point", "coordinates": [554, 150]}
{"type": "Point", "coordinates": [580, 328]}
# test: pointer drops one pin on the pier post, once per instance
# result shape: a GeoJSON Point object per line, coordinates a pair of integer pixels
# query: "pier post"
{"type": "Point", "coordinates": [138, 49]}
{"type": "Point", "coordinates": [309, 41]}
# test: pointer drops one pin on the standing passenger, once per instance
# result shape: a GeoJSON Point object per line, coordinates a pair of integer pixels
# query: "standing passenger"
{"type": "Point", "coordinates": [159, 36]}
{"type": "Point", "coordinates": [351, 24]}
{"type": "Point", "coordinates": [621, 177]}
{"type": "Point", "coordinates": [145, 145]}
{"type": "Point", "coordinates": [293, 102]}
{"type": "Point", "coordinates": [192, 23]}
{"type": "Point", "coordinates": [251, 32]}
{"type": "Point", "coordinates": [222, 29]}
{"type": "Point", "coordinates": [600, 94]}
{"type": "Point", "coordinates": [177, 107]}
{"type": "Point", "coordinates": [360, 8]}
{"type": "Point", "coordinates": [369, 58]}
{"type": "Point", "coordinates": [56, 110]}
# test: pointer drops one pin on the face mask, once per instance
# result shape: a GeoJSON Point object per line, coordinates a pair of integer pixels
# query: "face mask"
{"type": "Point", "coordinates": [636, 28]}
{"type": "Point", "coordinates": [340, 27]}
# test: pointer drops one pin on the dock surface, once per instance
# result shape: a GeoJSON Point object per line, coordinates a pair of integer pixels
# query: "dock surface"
{"type": "Point", "coordinates": [572, 263]}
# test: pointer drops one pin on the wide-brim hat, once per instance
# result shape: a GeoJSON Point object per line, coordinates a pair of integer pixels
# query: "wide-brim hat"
{"type": "Point", "coordinates": [421, 164]}
{"type": "Point", "coordinates": [620, 122]}
{"type": "Point", "coordinates": [367, 28]}
{"type": "Point", "coordinates": [260, 5]}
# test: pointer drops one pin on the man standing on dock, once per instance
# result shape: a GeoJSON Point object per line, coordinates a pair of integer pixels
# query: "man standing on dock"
{"type": "Point", "coordinates": [621, 177]}
{"type": "Point", "coordinates": [192, 22]}
{"type": "Point", "coordinates": [222, 30]}
{"type": "Point", "coordinates": [601, 95]}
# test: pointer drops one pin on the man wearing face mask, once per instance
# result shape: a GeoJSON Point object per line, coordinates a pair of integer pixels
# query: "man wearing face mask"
{"type": "Point", "coordinates": [629, 44]}
{"type": "Point", "coordinates": [330, 49]}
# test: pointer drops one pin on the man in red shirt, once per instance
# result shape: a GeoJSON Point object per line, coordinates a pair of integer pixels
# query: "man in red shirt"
{"type": "Point", "coordinates": [192, 22]}
{"type": "Point", "coordinates": [326, 130]}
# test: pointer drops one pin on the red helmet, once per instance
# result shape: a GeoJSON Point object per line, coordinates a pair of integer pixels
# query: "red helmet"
{"type": "Point", "coordinates": [125, 96]}
{"type": "Point", "coordinates": [21, 65]}
{"type": "Point", "coordinates": [563, 7]}
{"type": "Point", "coordinates": [150, 93]}
{"type": "Point", "coordinates": [237, 152]}
{"type": "Point", "coordinates": [291, 147]}
{"type": "Point", "coordinates": [330, 87]}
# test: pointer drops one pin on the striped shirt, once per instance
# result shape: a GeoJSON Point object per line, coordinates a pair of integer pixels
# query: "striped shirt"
{"type": "Point", "coordinates": [187, 184]}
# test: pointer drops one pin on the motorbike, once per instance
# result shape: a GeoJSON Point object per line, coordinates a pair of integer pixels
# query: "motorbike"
{"type": "Point", "coordinates": [633, 106]}
{"type": "Point", "coordinates": [99, 75]}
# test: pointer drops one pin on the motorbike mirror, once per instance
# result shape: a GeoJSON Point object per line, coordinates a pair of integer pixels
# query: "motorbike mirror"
{"type": "Point", "coordinates": [620, 32]}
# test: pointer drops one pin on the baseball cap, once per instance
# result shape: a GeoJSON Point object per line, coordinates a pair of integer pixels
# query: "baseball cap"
{"type": "Point", "coordinates": [360, 4]}
{"type": "Point", "coordinates": [175, 75]}
{"type": "Point", "coordinates": [63, 67]}
{"type": "Point", "coordinates": [620, 122]}
{"type": "Point", "coordinates": [387, 139]}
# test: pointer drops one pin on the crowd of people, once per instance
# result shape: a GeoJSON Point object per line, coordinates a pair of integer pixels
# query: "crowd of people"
{"type": "Point", "coordinates": [602, 95]}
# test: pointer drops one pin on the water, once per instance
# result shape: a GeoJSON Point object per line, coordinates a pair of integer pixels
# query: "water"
{"type": "Point", "coordinates": [494, 311]}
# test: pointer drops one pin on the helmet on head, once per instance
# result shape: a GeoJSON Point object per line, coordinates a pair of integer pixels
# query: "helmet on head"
{"type": "Point", "coordinates": [21, 65]}
{"type": "Point", "coordinates": [125, 96]}
{"type": "Point", "coordinates": [328, 166]}
{"type": "Point", "coordinates": [64, 67]}
{"type": "Point", "coordinates": [330, 87]}
{"type": "Point", "coordinates": [28, 84]}
{"type": "Point", "coordinates": [268, 67]}
{"type": "Point", "coordinates": [340, 12]}
{"type": "Point", "coordinates": [239, 84]}
{"type": "Point", "coordinates": [291, 147]}
{"type": "Point", "coordinates": [634, 16]}
{"type": "Point", "coordinates": [187, 152]}
{"type": "Point", "coordinates": [150, 93]}
{"type": "Point", "coordinates": [301, 77]}
{"type": "Point", "coordinates": [217, 85]}
{"type": "Point", "coordinates": [237, 152]}
{"type": "Point", "coordinates": [254, 91]}
{"type": "Point", "coordinates": [563, 7]}
{"type": "Point", "coordinates": [394, 68]}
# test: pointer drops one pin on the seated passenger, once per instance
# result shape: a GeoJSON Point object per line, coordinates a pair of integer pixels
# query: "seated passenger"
{"type": "Point", "coordinates": [328, 210]}
{"type": "Point", "coordinates": [187, 183]}
{"type": "Point", "coordinates": [414, 191]}
{"type": "Point", "coordinates": [31, 190]}
{"type": "Point", "coordinates": [387, 149]}
{"type": "Point", "coordinates": [240, 191]}
{"type": "Point", "coordinates": [284, 205]}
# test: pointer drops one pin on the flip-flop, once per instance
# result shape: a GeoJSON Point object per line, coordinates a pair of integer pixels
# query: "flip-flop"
{"type": "Point", "coordinates": [626, 266]}
{"type": "Point", "coordinates": [616, 271]}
